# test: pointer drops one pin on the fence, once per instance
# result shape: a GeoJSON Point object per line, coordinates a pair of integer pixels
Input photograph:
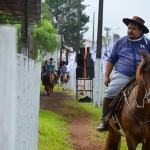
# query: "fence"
{"type": "Point", "coordinates": [19, 96]}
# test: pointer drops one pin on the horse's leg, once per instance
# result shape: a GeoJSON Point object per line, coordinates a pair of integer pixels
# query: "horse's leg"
{"type": "Point", "coordinates": [146, 146]}
{"type": "Point", "coordinates": [64, 86]}
{"type": "Point", "coordinates": [113, 140]}
{"type": "Point", "coordinates": [131, 142]}
{"type": "Point", "coordinates": [47, 89]}
{"type": "Point", "coordinates": [52, 91]}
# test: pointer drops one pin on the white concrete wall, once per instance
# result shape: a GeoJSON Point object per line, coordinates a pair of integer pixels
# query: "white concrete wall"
{"type": "Point", "coordinates": [28, 96]}
{"type": "Point", "coordinates": [8, 91]}
{"type": "Point", "coordinates": [19, 95]}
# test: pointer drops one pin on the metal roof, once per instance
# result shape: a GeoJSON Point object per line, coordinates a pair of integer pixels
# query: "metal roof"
{"type": "Point", "coordinates": [12, 10]}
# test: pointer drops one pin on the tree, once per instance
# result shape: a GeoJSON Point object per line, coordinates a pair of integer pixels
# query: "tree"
{"type": "Point", "coordinates": [45, 13]}
{"type": "Point", "coordinates": [56, 8]}
{"type": "Point", "coordinates": [46, 39]}
{"type": "Point", "coordinates": [59, 9]}
{"type": "Point", "coordinates": [45, 35]}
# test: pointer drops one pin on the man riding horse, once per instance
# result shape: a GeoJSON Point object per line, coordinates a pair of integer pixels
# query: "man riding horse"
{"type": "Point", "coordinates": [50, 67]}
{"type": "Point", "coordinates": [64, 74]}
{"type": "Point", "coordinates": [125, 56]}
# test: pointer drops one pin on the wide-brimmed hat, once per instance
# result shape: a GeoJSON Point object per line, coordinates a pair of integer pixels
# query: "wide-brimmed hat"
{"type": "Point", "coordinates": [138, 21]}
{"type": "Point", "coordinates": [51, 58]}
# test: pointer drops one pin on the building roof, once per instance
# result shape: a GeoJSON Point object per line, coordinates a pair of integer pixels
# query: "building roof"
{"type": "Point", "coordinates": [12, 10]}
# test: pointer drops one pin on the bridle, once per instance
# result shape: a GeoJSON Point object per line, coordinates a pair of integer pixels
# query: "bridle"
{"type": "Point", "coordinates": [142, 106]}
{"type": "Point", "coordinates": [145, 98]}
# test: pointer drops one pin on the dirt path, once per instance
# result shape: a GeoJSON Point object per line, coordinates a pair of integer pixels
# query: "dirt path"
{"type": "Point", "coordinates": [81, 136]}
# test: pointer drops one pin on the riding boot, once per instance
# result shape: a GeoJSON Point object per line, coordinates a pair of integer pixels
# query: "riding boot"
{"type": "Point", "coordinates": [105, 109]}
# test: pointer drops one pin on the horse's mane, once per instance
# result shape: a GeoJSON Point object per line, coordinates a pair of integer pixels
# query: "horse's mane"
{"type": "Point", "coordinates": [143, 64]}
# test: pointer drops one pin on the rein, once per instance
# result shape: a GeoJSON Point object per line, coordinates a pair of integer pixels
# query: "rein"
{"type": "Point", "coordinates": [146, 96]}
{"type": "Point", "coordinates": [126, 100]}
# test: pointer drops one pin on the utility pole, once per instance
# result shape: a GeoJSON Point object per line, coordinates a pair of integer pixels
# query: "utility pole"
{"type": "Point", "coordinates": [93, 29]}
{"type": "Point", "coordinates": [99, 31]}
{"type": "Point", "coordinates": [60, 20]}
{"type": "Point", "coordinates": [24, 35]}
{"type": "Point", "coordinates": [78, 28]}
{"type": "Point", "coordinates": [68, 32]}
{"type": "Point", "coordinates": [98, 72]}
{"type": "Point", "coordinates": [31, 40]}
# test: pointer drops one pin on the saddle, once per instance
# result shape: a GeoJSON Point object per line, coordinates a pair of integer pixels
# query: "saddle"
{"type": "Point", "coordinates": [117, 103]}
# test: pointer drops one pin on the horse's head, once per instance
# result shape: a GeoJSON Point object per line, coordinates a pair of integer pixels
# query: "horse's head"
{"type": "Point", "coordinates": [143, 74]}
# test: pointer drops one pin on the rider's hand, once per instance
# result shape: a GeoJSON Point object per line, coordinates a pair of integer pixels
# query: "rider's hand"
{"type": "Point", "coordinates": [106, 80]}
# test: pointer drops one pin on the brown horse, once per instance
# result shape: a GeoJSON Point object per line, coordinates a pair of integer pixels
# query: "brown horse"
{"type": "Point", "coordinates": [64, 80]}
{"type": "Point", "coordinates": [134, 118]}
{"type": "Point", "coordinates": [49, 82]}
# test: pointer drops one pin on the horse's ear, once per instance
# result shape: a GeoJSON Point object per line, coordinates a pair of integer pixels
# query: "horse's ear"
{"type": "Point", "coordinates": [143, 54]}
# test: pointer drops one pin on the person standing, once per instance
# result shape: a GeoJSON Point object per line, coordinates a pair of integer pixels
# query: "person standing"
{"type": "Point", "coordinates": [124, 58]}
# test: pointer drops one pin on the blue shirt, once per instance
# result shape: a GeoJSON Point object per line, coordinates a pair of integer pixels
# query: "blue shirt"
{"type": "Point", "coordinates": [126, 56]}
{"type": "Point", "coordinates": [63, 69]}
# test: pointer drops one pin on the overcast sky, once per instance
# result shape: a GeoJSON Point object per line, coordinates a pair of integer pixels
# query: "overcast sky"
{"type": "Point", "coordinates": [113, 13]}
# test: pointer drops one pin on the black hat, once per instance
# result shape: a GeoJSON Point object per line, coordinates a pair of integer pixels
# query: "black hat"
{"type": "Point", "coordinates": [51, 58]}
{"type": "Point", "coordinates": [138, 21]}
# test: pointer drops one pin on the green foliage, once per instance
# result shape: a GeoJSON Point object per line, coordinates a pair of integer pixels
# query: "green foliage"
{"type": "Point", "coordinates": [45, 12]}
{"type": "Point", "coordinates": [18, 26]}
{"type": "Point", "coordinates": [45, 38]}
{"type": "Point", "coordinates": [45, 35]}
{"type": "Point", "coordinates": [53, 133]}
{"type": "Point", "coordinates": [57, 8]}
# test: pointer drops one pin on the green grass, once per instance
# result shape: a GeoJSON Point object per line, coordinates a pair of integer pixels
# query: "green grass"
{"type": "Point", "coordinates": [41, 86]}
{"type": "Point", "coordinates": [53, 133]}
{"type": "Point", "coordinates": [95, 114]}
{"type": "Point", "coordinates": [53, 127]}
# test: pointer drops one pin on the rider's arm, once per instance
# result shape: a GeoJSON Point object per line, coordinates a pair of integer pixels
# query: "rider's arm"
{"type": "Point", "coordinates": [108, 70]}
